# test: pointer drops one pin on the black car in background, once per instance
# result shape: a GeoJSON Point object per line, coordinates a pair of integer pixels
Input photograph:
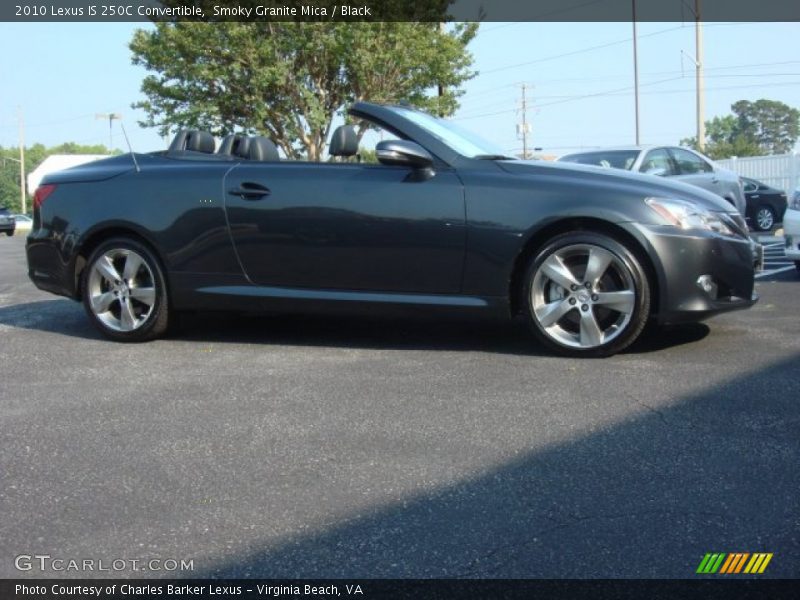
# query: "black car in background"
{"type": "Point", "coordinates": [586, 256]}
{"type": "Point", "coordinates": [7, 222]}
{"type": "Point", "coordinates": [765, 204]}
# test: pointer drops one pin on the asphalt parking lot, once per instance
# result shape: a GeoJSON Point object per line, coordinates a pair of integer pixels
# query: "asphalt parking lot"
{"type": "Point", "coordinates": [336, 447]}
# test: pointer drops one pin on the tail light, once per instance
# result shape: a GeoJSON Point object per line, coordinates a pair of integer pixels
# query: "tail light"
{"type": "Point", "coordinates": [41, 194]}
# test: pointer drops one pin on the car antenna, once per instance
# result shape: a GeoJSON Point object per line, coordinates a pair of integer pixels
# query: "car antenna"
{"type": "Point", "coordinates": [133, 155]}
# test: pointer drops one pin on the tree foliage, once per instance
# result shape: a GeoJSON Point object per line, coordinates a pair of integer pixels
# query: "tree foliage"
{"type": "Point", "coordinates": [289, 80]}
{"type": "Point", "coordinates": [754, 129]}
{"type": "Point", "coordinates": [34, 156]}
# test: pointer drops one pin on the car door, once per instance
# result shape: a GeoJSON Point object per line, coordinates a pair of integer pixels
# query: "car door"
{"type": "Point", "coordinates": [695, 170]}
{"type": "Point", "coordinates": [347, 226]}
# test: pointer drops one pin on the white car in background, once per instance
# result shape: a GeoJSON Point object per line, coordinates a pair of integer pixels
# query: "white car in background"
{"type": "Point", "coordinates": [791, 229]}
{"type": "Point", "coordinates": [23, 222]}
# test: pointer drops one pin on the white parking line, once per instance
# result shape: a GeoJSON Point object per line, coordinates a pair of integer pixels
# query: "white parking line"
{"type": "Point", "coordinates": [773, 271]}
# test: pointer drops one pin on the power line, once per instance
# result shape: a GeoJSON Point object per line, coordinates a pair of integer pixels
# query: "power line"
{"type": "Point", "coordinates": [49, 123]}
{"type": "Point", "coordinates": [571, 98]}
{"type": "Point", "coordinates": [568, 97]}
{"type": "Point", "coordinates": [580, 51]}
{"type": "Point", "coordinates": [494, 89]}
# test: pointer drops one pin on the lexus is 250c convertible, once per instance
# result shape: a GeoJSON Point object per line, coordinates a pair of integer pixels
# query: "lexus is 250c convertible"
{"type": "Point", "coordinates": [587, 255]}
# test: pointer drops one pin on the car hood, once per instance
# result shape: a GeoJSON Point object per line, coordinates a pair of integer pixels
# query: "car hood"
{"type": "Point", "coordinates": [646, 185]}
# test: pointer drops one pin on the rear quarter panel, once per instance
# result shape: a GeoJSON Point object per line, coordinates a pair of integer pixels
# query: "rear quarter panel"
{"type": "Point", "coordinates": [175, 206]}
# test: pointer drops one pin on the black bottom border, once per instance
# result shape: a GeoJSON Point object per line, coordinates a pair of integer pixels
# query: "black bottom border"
{"type": "Point", "coordinates": [423, 589]}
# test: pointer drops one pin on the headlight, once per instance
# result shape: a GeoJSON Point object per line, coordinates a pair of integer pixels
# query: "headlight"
{"type": "Point", "coordinates": [687, 215]}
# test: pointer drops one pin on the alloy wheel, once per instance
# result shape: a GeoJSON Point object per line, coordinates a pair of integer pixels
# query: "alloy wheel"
{"type": "Point", "coordinates": [121, 289]}
{"type": "Point", "coordinates": [764, 218]}
{"type": "Point", "coordinates": [583, 296]}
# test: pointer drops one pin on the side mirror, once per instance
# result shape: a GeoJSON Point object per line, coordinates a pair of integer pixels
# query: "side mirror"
{"type": "Point", "coordinates": [403, 153]}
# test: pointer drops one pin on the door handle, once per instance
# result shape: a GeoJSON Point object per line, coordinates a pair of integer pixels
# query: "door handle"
{"type": "Point", "coordinates": [250, 191]}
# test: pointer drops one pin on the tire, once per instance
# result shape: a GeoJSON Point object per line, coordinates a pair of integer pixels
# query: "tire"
{"type": "Point", "coordinates": [578, 317]}
{"type": "Point", "coordinates": [764, 218]}
{"type": "Point", "coordinates": [797, 265]}
{"type": "Point", "coordinates": [10, 233]}
{"type": "Point", "coordinates": [124, 291]}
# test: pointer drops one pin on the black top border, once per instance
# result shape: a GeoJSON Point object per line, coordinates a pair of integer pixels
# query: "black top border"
{"type": "Point", "coordinates": [399, 10]}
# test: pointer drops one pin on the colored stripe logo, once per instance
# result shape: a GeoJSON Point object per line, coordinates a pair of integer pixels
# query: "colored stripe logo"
{"type": "Point", "coordinates": [731, 563]}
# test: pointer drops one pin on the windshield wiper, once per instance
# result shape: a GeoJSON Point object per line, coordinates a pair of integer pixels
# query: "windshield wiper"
{"type": "Point", "coordinates": [493, 157]}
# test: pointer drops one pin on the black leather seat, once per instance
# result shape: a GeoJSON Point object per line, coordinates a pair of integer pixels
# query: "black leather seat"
{"type": "Point", "coordinates": [260, 148]}
{"type": "Point", "coordinates": [344, 141]}
{"type": "Point", "coordinates": [232, 144]}
{"type": "Point", "coordinates": [193, 140]}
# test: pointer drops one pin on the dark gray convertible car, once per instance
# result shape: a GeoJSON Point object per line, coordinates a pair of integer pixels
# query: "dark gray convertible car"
{"type": "Point", "coordinates": [587, 256]}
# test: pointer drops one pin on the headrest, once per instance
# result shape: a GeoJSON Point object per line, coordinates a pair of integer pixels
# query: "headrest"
{"type": "Point", "coordinates": [344, 141]}
{"type": "Point", "coordinates": [261, 148]}
{"type": "Point", "coordinates": [232, 144]}
{"type": "Point", "coordinates": [193, 140]}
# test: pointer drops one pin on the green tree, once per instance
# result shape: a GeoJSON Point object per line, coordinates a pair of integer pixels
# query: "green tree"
{"type": "Point", "coordinates": [289, 80]}
{"type": "Point", "coordinates": [773, 125]}
{"type": "Point", "coordinates": [755, 129]}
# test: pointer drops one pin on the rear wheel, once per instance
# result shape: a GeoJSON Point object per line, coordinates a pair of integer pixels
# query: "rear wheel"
{"type": "Point", "coordinates": [586, 295]}
{"type": "Point", "coordinates": [124, 291]}
{"type": "Point", "coordinates": [764, 219]}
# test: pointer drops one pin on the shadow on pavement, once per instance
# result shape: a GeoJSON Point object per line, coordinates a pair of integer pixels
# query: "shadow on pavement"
{"type": "Point", "coordinates": [425, 331]}
{"type": "Point", "coordinates": [647, 497]}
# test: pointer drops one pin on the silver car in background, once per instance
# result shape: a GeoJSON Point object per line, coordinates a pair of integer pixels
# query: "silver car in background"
{"type": "Point", "coordinates": [679, 164]}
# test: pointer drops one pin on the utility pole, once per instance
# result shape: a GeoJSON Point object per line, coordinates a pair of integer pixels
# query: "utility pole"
{"type": "Point", "coordinates": [110, 117]}
{"type": "Point", "coordinates": [701, 99]}
{"type": "Point", "coordinates": [442, 30]}
{"type": "Point", "coordinates": [524, 128]}
{"type": "Point", "coordinates": [23, 208]}
{"type": "Point", "coordinates": [635, 73]}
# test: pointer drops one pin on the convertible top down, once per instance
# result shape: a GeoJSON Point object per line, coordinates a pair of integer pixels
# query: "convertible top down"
{"type": "Point", "coordinates": [587, 255]}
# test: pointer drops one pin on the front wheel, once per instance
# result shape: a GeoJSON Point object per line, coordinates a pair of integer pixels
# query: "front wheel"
{"type": "Point", "coordinates": [764, 219]}
{"type": "Point", "coordinates": [587, 295]}
{"type": "Point", "coordinates": [10, 233]}
{"type": "Point", "coordinates": [124, 291]}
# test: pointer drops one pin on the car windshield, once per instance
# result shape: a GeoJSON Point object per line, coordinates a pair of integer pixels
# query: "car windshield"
{"type": "Point", "coordinates": [464, 142]}
{"type": "Point", "coordinates": [618, 159]}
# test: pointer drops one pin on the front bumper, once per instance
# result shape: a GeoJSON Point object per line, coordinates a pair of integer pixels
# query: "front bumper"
{"type": "Point", "coordinates": [700, 274]}
{"type": "Point", "coordinates": [791, 233]}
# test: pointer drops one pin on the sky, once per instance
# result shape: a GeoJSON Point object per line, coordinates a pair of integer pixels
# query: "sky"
{"type": "Point", "coordinates": [578, 78]}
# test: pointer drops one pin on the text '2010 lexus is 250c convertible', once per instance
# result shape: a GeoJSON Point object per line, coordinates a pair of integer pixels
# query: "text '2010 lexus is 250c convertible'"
{"type": "Point", "coordinates": [439, 219]}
